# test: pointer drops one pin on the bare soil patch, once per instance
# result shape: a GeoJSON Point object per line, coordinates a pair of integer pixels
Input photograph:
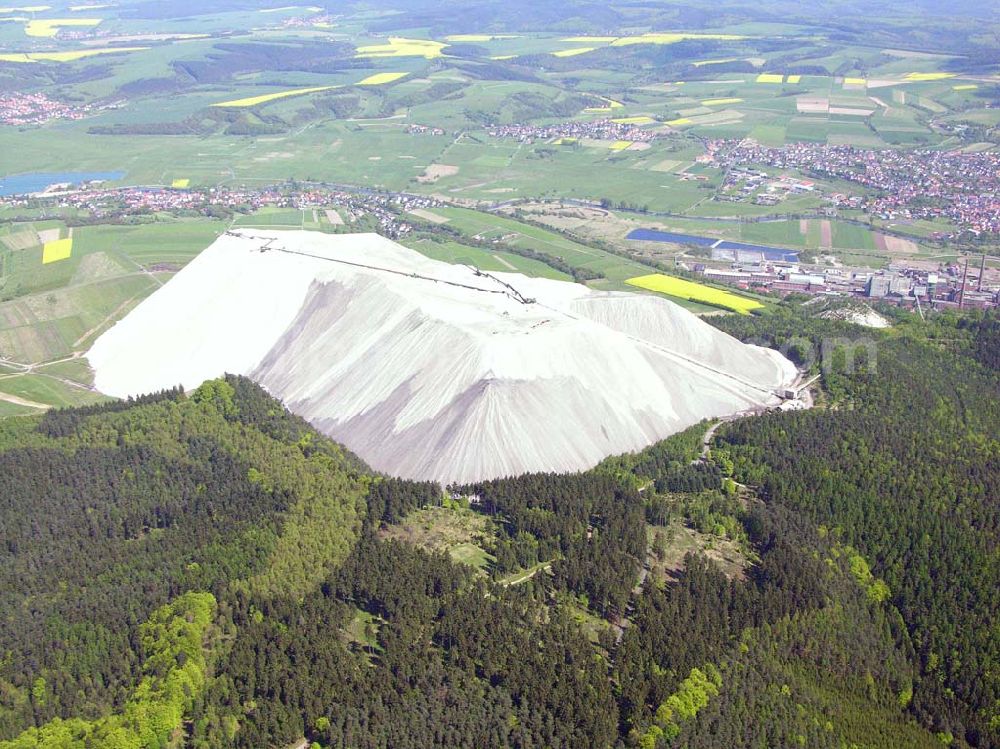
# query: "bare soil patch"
{"type": "Point", "coordinates": [434, 172]}
{"type": "Point", "coordinates": [825, 234]}
{"type": "Point", "coordinates": [428, 216]}
{"type": "Point", "coordinates": [812, 104]}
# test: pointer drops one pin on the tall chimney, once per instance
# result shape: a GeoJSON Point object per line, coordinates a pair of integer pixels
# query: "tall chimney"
{"type": "Point", "coordinates": [982, 271]}
{"type": "Point", "coordinates": [965, 276]}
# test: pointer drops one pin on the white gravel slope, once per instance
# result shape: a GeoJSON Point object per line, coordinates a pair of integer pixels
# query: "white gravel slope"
{"type": "Point", "coordinates": [426, 379]}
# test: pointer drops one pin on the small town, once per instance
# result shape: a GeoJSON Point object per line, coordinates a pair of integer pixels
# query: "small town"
{"type": "Point", "coordinates": [961, 188]}
{"type": "Point", "coordinates": [386, 210]}
{"type": "Point", "coordinates": [22, 108]}
{"type": "Point", "coordinates": [595, 130]}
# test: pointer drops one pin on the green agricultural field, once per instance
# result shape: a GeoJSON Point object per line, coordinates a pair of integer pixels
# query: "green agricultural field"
{"type": "Point", "coordinates": [167, 242]}
{"type": "Point", "coordinates": [48, 390]}
{"type": "Point", "coordinates": [509, 231]}
{"type": "Point", "coordinates": [276, 217]}
{"type": "Point", "coordinates": [51, 313]}
{"type": "Point", "coordinates": [453, 252]}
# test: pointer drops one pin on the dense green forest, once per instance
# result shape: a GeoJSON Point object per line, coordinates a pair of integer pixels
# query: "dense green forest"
{"type": "Point", "coordinates": [206, 570]}
{"type": "Point", "coordinates": [906, 469]}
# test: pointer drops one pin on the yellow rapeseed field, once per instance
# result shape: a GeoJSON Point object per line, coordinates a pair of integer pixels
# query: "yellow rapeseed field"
{"type": "Point", "coordinates": [400, 46]}
{"type": "Point", "coordinates": [620, 145]}
{"type": "Point", "coordinates": [928, 76]}
{"type": "Point", "coordinates": [381, 78]}
{"type": "Point", "coordinates": [59, 249]}
{"type": "Point", "coordinates": [965, 87]}
{"type": "Point", "coordinates": [638, 120]}
{"type": "Point", "coordinates": [573, 52]}
{"type": "Point", "coordinates": [50, 26]}
{"type": "Point", "coordinates": [695, 292]}
{"type": "Point", "coordinates": [770, 78]}
{"type": "Point", "coordinates": [252, 101]}
{"type": "Point", "coordinates": [180, 184]}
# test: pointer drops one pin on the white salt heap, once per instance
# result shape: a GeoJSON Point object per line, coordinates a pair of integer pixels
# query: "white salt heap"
{"type": "Point", "coordinates": [859, 314]}
{"type": "Point", "coordinates": [433, 380]}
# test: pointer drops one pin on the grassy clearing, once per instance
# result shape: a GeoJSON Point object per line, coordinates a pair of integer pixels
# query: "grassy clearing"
{"type": "Point", "coordinates": [522, 576]}
{"type": "Point", "coordinates": [77, 370]}
{"type": "Point", "coordinates": [592, 625]}
{"type": "Point", "coordinates": [361, 632]}
{"type": "Point", "coordinates": [681, 540]}
{"type": "Point", "coordinates": [472, 555]}
{"type": "Point", "coordinates": [697, 292]}
{"type": "Point", "coordinates": [461, 533]}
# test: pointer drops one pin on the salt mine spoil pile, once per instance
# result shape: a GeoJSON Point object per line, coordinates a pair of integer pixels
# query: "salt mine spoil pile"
{"type": "Point", "coordinates": [434, 371]}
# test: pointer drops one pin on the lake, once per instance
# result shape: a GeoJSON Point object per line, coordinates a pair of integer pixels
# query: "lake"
{"type": "Point", "coordinates": [19, 184]}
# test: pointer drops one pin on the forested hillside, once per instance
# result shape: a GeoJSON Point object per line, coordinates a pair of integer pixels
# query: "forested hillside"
{"type": "Point", "coordinates": [110, 512]}
{"type": "Point", "coordinates": [205, 570]}
{"type": "Point", "coordinates": [907, 470]}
